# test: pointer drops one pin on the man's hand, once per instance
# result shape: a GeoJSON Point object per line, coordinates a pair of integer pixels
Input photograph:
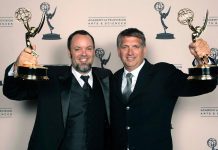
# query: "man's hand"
{"type": "Point", "coordinates": [26, 58]}
{"type": "Point", "coordinates": [200, 49]}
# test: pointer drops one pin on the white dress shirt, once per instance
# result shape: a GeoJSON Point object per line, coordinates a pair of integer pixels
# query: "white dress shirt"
{"type": "Point", "coordinates": [135, 74]}
{"type": "Point", "coordinates": [77, 75]}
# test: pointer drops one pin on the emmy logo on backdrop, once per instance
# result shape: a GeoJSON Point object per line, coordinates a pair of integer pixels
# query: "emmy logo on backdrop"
{"type": "Point", "coordinates": [29, 71]}
{"type": "Point", "coordinates": [159, 6]}
{"type": "Point", "coordinates": [211, 142]}
{"type": "Point", "coordinates": [99, 52]}
{"type": "Point", "coordinates": [214, 55]}
{"type": "Point", "coordinates": [45, 7]}
{"type": "Point", "coordinates": [203, 71]}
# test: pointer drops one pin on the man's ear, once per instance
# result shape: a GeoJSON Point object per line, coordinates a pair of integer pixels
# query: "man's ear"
{"type": "Point", "coordinates": [118, 52]}
{"type": "Point", "coordinates": [69, 54]}
{"type": "Point", "coordinates": [144, 51]}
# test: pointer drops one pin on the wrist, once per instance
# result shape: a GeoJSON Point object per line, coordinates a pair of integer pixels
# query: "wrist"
{"type": "Point", "coordinates": [15, 69]}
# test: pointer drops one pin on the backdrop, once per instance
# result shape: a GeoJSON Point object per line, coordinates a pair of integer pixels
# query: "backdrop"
{"type": "Point", "coordinates": [195, 119]}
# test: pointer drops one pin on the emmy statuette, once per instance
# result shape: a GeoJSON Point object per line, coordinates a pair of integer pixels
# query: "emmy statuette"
{"type": "Point", "coordinates": [203, 71]}
{"type": "Point", "coordinates": [30, 72]}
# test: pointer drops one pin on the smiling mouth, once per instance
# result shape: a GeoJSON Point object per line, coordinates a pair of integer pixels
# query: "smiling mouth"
{"type": "Point", "coordinates": [83, 60]}
{"type": "Point", "coordinates": [130, 58]}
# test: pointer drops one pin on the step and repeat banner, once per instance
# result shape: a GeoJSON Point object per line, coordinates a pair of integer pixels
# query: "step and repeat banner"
{"type": "Point", "coordinates": [195, 119]}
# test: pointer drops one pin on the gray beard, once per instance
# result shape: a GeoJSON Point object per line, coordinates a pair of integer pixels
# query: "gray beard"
{"type": "Point", "coordinates": [83, 69]}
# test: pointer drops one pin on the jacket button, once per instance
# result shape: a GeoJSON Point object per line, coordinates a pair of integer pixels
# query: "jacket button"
{"type": "Point", "coordinates": [127, 127]}
{"type": "Point", "coordinates": [130, 148]}
{"type": "Point", "coordinates": [127, 107]}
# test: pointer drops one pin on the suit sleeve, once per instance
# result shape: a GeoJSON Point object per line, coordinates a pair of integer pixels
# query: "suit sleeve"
{"type": "Point", "coordinates": [185, 87]}
{"type": "Point", "coordinates": [18, 89]}
{"type": "Point", "coordinates": [197, 87]}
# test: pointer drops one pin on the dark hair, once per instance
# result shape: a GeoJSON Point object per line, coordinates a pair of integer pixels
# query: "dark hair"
{"type": "Point", "coordinates": [134, 32]}
{"type": "Point", "coordinates": [82, 32]}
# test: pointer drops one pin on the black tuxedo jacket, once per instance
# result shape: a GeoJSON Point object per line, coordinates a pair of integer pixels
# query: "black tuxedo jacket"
{"type": "Point", "coordinates": [144, 122]}
{"type": "Point", "coordinates": [53, 102]}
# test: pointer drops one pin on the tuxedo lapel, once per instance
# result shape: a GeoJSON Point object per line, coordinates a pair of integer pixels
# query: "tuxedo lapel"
{"type": "Point", "coordinates": [65, 86]}
{"type": "Point", "coordinates": [104, 82]}
{"type": "Point", "coordinates": [143, 80]}
{"type": "Point", "coordinates": [117, 85]}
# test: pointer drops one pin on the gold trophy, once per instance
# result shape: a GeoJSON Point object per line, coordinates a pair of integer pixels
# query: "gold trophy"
{"type": "Point", "coordinates": [203, 71]}
{"type": "Point", "coordinates": [30, 72]}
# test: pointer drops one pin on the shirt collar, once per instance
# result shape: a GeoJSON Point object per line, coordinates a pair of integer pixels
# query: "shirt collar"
{"type": "Point", "coordinates": [135, 72]}
{"type": "Point", "coordinates": [77, 74]}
